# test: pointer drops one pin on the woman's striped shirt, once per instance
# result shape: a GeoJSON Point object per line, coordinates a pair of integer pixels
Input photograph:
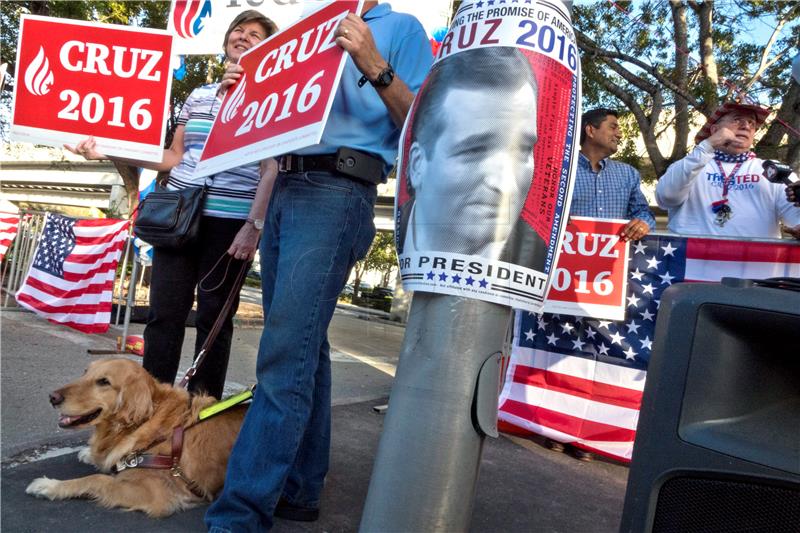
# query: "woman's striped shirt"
{"type": "Point", "coordinates": [230, 193]}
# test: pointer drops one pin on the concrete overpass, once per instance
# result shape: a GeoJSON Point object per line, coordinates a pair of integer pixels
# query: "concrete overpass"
{"type": "Point", "coordinates": [87, 184]}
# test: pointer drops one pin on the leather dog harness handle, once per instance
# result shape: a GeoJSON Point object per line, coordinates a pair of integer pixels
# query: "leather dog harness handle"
{"type": "Point", "coordinates": [163, 462]}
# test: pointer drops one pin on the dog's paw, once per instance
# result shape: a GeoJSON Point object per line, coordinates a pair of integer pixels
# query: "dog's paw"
{"type": "Point", "coordinates": [43, 487]}
{"type": "Point", "coordinates": [85, 456]}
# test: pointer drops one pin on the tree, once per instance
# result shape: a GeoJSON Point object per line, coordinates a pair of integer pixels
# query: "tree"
{"type": "Point", "coordinates": [381, 256]}
{"type": "Point", "coordinates": [709, 59]}
{"type": "Point", "coordinates": [142, 13]}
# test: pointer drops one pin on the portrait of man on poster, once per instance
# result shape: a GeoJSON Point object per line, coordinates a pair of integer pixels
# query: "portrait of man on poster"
{"type": "Point", "coordinates": [470, 162]}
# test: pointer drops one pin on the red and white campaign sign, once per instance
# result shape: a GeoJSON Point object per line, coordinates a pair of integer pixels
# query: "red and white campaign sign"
{"type": "Point", "coordinates": [76, 79]}
{"type": "Point", "coordinates": [589, 279]}
{"type": "Point", "coordinates": [283, 98]}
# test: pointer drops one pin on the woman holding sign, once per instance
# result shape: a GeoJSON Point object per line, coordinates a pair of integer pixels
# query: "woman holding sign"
{"type": "Point", "coordinates": [233, 215]}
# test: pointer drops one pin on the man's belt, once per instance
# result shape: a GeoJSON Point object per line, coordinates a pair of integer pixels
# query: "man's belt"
{"type": "Point", "coordinates": [308, 163]}
{"type": "Point", "coordinates": [351, 163]}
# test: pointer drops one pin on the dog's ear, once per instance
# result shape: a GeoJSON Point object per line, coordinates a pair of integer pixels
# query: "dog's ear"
{"type": "Point", "coordinates": [135, 399]}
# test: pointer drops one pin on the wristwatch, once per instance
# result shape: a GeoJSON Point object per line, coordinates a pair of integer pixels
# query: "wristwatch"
{"type": "Point", "coordinates": [384, 79]}
{"type": "Point", "coordinates": [257, 223]}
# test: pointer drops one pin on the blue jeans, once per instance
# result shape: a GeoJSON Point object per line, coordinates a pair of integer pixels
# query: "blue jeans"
{"type": "Point", "coordinates": [318, 226]}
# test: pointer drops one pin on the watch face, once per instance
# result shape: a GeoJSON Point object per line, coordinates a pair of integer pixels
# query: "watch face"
{"type": "Point", "coordinates": [385, 78]}
{"type": "Point", "coordinates": [258, 223]}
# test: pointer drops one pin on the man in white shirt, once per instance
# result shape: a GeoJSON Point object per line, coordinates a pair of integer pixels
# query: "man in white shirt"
{"type": "Point", "coordinates": [719, 188]}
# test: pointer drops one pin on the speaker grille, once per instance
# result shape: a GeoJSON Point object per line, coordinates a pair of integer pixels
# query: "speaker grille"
{"type": "Point", "coordinates": [689, 504]}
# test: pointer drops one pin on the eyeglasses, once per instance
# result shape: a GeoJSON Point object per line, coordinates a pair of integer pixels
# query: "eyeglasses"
{"type": "Point", "coordinates": [747, 122]}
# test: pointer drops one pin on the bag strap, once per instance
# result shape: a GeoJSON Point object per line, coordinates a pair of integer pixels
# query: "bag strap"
{"type": "Point", "coordinates": [212, 335]}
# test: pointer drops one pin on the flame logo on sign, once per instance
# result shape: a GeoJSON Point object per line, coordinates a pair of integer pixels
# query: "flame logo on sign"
{"type": "Point", "coordinates": [234, 102]}
{"type": "Point", "coordinates": [38, 76]}
{"type": "Point", "coordinates": [188, 16]}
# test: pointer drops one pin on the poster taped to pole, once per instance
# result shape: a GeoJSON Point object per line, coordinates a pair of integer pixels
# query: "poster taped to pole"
{"type": "Point", "coordinates": [487, 155]}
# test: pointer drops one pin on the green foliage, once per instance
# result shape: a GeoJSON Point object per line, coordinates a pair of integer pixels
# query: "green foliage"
{"type": "Point", "coordinates": [648, 57]}
{"type": "Point", "coordinates": [382, 255]}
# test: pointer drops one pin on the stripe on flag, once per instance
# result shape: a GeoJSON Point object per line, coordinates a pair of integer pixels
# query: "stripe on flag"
{"type": "Point", "coordinates": [71, 277]}
{"type": "Point", "coordinates": [9, 224]}
{"type": "Point", "coordinates": [579, 380]}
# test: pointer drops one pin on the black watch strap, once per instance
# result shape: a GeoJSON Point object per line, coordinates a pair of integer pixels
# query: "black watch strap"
{"type": "Point", "coordinates": [384, 79]}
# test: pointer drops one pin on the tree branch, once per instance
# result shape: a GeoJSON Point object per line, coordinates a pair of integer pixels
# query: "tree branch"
{"type": "Point", "coordinates": [681, 79]}
{"type": "Point", "coordinates": [764, 63]}
{"type": "Point", "coordinates": [591, 47]}
{"type": "Point", "coordinates": [646, 124]}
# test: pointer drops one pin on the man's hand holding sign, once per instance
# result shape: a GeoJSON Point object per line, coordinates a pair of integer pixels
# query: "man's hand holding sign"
{"type": "Point", "coordinates": [278, 96]}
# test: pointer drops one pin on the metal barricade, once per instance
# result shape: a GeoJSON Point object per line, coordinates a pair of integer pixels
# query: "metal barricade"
{"type": "Point", "coordinates": [20, 253]}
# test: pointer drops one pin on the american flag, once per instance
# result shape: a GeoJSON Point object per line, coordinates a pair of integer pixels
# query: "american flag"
{"type": "Point", "coordinates": [9, 222]}
{"type": "Point", "coordinates": [71, 278]}
{"type": "Point", "coordinates": [579, 380]}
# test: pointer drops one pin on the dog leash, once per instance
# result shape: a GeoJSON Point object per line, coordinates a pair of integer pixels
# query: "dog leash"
{"type": "Point", "coordinates": [212, 335]}
{"type": "Point", "coordinates": [141, 459]}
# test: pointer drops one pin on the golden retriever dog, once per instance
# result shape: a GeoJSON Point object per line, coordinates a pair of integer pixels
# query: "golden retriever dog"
{"type": "Point", "coordinates": [133, 413]}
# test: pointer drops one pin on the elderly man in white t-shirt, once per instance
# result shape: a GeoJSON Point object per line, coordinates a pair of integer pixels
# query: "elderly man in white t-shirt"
{"type": "Point", "coordinates": [719, 188]}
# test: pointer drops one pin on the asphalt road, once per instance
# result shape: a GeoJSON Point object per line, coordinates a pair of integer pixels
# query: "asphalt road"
{"type": "Point", "coordinates": [523, 486]}
{"type": "Point", "coordinates": [37, 357]}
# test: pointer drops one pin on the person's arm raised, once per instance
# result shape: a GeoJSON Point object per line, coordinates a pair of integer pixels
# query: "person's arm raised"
{"type": "Point", "coordinates": [355, 37]}
{"type": "Point", "coordinates": [87, 149]}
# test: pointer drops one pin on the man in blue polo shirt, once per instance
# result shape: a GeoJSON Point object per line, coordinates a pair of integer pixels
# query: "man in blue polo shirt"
{"type": "Point", "coordinates": [319, 223]}
{"type": "Point", "coordinates": [606, 188]}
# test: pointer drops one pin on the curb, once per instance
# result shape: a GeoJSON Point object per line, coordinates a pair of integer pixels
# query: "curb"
{"type": "Point", "coordinates": [372, 315]}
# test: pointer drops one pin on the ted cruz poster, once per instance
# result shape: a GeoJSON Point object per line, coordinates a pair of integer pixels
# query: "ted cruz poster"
{"type": "Point", "coordinates": [76, 79]}
{"type": "Point", "coordinates": [487, 154]}
{"type": "Point", "coordinates": [283, 98]}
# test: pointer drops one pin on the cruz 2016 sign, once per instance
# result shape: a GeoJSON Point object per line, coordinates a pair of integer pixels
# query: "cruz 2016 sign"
{"type": "Point", "coordinates": [589, 279]}
{"type": "Point", "coordinates": [76, 79]}
{"type": "Point", "coordinates": [283, 98]}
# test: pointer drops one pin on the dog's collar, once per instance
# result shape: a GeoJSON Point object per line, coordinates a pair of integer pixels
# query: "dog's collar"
{"type": "Point", "coordinates": [162, 462]}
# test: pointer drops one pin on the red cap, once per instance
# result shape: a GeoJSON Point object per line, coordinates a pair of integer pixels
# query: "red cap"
{"type": "Point", "coordinates": [761, 114]}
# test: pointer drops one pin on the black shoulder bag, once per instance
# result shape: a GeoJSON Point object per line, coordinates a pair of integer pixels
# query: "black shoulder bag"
{"type": "Point", "coordinates": [170, 219]}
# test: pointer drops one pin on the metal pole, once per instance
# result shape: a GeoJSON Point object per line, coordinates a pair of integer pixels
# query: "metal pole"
{"type": "Point", "coordinates": [122, 277]}
{"type": "Point", "coordinates": [426, 468]}
{"type": "Point", "coordinates": [36, 236]}
{"type": "Point", "coordinates": [131, 301]}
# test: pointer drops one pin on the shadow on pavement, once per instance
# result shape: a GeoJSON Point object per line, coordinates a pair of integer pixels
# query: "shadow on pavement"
{"type": "Point", "coordinates": [523, 487]}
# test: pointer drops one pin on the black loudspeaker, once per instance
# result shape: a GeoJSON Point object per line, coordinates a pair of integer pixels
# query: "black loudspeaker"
{"type": "Point", "coordinates": [718, 442]}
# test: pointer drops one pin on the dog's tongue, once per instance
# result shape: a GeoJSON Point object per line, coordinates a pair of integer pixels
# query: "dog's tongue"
{"type": "Point", "coordinates": [66, 421]}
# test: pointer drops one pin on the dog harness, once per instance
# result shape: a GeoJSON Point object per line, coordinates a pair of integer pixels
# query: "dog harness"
{"type": "Point", "coordinates": [162, 462]}
{"type": "Point", "coordinates": [172, 462]}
